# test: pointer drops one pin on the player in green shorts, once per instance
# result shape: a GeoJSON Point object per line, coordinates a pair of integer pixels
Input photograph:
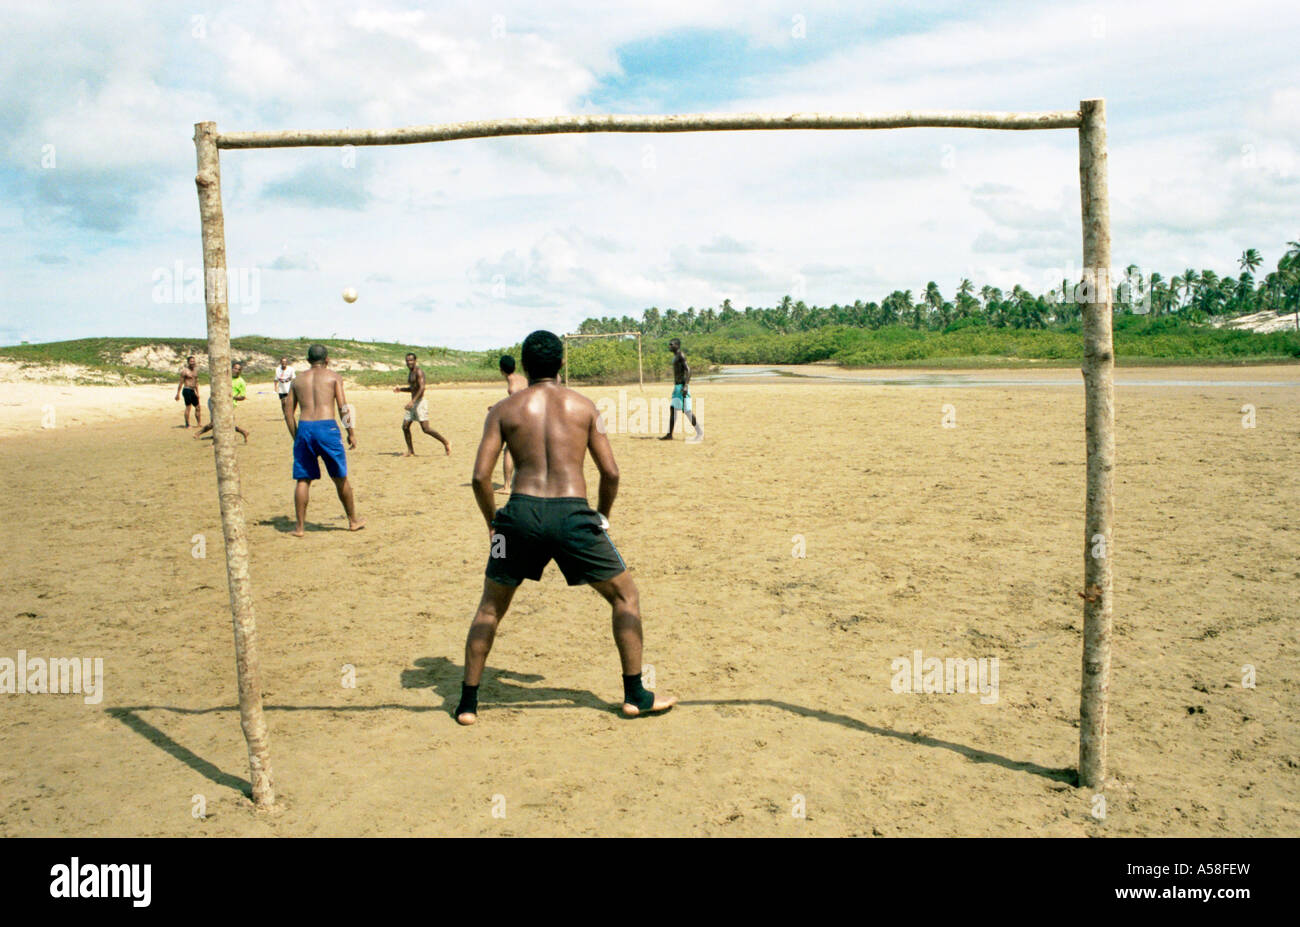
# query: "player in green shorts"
{"type": "Point", "coordinates": [238, 391]}
{"type": "Point", "coordinates": [549, 430]}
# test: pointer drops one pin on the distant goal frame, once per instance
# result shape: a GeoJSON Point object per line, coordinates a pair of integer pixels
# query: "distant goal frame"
{"type": "Point", "coordinates": [1098, 356]}
{"type": "Point", "coordinates": [640, 365]}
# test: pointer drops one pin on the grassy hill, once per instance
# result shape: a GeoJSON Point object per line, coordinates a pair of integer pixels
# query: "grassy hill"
{"type": "Point", "coordinates": [157, 360]}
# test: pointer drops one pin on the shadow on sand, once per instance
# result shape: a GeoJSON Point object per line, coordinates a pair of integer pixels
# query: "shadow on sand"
{"type": "Point", "coordinates": [499, 690]}
{"type": "Point", "coordinates": [285, 524]}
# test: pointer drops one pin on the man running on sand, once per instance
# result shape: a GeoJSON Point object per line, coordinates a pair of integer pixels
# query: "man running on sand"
{"type": "Point", "coordinates": [284, 375]}
{"type": "Point", "coordinates": [549, 430]}
{"type": "Point", "coordinates": [238, 392]}
{"type": "Point", "coordinates": [681, 394]}
{"type": "Point", "coordinates": [417, 410]}
{"type": "Point", "coordinates": [189, 386]}
{"type": "Point", "coordinates": [315, 392]}
{"type": "Point", "coordinates": [514, 383]}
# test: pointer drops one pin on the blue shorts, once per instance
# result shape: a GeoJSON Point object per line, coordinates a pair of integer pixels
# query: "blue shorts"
{"type": "Point", "coordinates": [677, 399]}
{"type": "Point", "coordinates": [319, 439]}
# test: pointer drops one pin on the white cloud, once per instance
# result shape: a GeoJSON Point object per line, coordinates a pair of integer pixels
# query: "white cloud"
{"type": "Point", "coordinates": [592, 225]}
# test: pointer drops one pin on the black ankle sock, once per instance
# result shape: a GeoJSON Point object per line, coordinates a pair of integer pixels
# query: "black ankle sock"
{"type": "Point", "coordinates": [468, 700]}
{"type": "Point", "coordinates": [636, 694]}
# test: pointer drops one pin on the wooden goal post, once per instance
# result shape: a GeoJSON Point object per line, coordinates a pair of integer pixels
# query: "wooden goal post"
{"type": "Point", "coordinates": [1098, 358]}
{"type": "Point", "coordinates": [640, 368]}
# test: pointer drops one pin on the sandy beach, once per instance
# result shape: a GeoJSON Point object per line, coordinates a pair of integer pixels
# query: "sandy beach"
{"type": "Point", "coordinates": [959, 542]}
{"type": "Point", "coordinates": [29, 406]}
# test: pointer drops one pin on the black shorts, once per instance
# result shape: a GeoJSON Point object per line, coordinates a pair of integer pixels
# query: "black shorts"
{"type": "Point", "coordinates": [191, 396]}
{"type": "Point", "coordinates": [530, 531]}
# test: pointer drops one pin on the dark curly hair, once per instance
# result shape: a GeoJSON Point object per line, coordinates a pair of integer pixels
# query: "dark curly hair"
{"type": "Point", "coordinates": [542, 355]}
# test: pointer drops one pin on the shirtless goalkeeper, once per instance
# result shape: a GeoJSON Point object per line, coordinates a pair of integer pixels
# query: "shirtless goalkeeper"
{"type": "Point", "coordinates": [549, 430]}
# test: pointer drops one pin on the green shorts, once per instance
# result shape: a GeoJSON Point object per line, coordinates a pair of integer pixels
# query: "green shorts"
{"type": "Point", "coordinates": [530, 531]}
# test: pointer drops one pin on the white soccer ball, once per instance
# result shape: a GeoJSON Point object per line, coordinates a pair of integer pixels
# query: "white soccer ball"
{"type": "Point", "coordinates": [349, 295]}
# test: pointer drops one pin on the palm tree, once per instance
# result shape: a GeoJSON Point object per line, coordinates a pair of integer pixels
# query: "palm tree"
{"type": "Point", "coordinates": [1156, 284]}
{"type": "Point", "coordinates": [1227, 293]}
{"type": "Point", "coordinates": [1243, 291]}
{"type": "Point", "coordinates": [1288, 279]}
{"type": "Point", "coordinates": [781, 315]}
{"type": "Point", "coordinates": [1190, 280]}
{"type": "Point", "coordinates": [1208, 292]}
{"type": "Point", "coordinates": [933, 302]}
{"type": "Point", "coordinates": [966, 304]}
{"type": "Point", "coordinates": [799, 317]}
{"type": "Point", "coordinates": [1133, 291]}
{"type": "Point", "coordinates": [1249, 260]}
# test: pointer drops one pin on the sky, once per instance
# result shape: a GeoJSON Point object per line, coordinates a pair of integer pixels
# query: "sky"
{"type": "Point", "coordinates": [472, 244]}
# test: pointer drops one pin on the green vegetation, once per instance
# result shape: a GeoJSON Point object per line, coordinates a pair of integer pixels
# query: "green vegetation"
{"type": "Point", "coordinates": [1138, 339]}
{"type": "Point", "coordinates": [102, 356]}
{"type": "Point", "coordinates": [974, 329]}
{"type": "Point", "coordinates": [107, 358]}
{"type": "Point", "coordinates": [1194, 296]}
{"type": "Point", "coordinates": [991, 328]}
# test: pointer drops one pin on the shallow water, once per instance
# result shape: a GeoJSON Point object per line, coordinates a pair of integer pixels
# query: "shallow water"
{"type": "Point", "coordinates": [951, 380]}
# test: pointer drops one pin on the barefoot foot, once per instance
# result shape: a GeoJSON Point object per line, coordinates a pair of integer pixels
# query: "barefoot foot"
{"type": "Point", "coordinates": [662, 703]}
{"type": "Point", "coordinates": [466, 718]}
{"type": "Point", "coordinates": [356, 525]}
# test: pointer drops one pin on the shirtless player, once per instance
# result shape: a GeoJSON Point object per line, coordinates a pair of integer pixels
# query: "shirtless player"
{"type": "Point", "coordinates": [418, 408]}
{"type": "Point", "coordinates": [189, 385]}
{"type": "Point", "coordinates": [549, 430]}
{"type": "Point", "coordinates": [316, 392]}
{"type": "Point", "coordinates": [681, 394]}
{"type": "Point", "coordinates": [514, 383]}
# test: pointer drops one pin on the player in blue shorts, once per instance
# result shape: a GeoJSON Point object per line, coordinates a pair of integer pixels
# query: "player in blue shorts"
{"type": "Point", "coordinates": [316, 435]}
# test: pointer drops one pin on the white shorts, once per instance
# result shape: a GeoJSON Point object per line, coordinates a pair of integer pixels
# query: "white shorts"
{"type": "Point", "coordinates": [418, 413]}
